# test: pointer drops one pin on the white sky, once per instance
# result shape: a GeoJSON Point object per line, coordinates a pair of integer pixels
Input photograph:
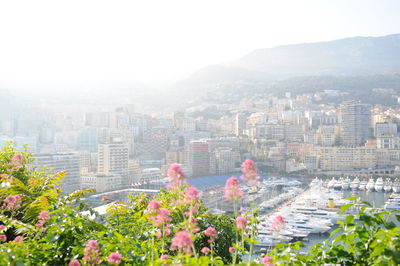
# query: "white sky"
{"type": "Point", "coordinates": [147, 40]}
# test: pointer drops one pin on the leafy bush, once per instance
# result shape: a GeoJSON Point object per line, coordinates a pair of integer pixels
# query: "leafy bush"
{"type": "Point", "coordinates": [40, 226]}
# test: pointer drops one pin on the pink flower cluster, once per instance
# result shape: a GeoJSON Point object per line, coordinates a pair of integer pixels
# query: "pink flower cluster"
{"type": "Point", "coordinates": [233, 191]}
{"type": "Point", "coordinates": [278, 223]}
{"type": "Point", "coordinates": [205, 250]}
{"type": "Point", "coordinates": [192, 225]}
{"type": "Point", "coordinates": [267, 261]}
{"type": "Point", "coordinates": [17, 158]}
{"type": "Point", "coordinates": [15, 163]}
{"type": "Point", "coordinates": [12, 202]}
{"type": "Point", "coordinates": [92, 253]}
{"type": "Point", "coordinates": [166, 231]}
{"type": "Point", "coordinates": [164, 257]}
{"type": "Point", "coordinates": [241, 223]}
{"type": "Point", "coordinates": [43, 218]}
{"type": "Point", "coordinates": [182, 241]}
{"type": "Point", "coordinates": [191, 195]}
{"type": "Point", "coordinates": [74, 262]}
{"type": "Point", "coordinates": [175, 173]}
{"type": "Point", "coordinates": [158, 216]}
{"type": "Point", "coordinates": [18, 239]}
{"type": "Point", "coordinates": [250, 172]}
{"type": "Point", "coordinates": [114, 258]}
{"type": "Point", "coordinates": [212, 233]}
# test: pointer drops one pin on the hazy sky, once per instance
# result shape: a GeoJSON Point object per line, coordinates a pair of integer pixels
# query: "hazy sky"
{"type": "Point", "coordinates": [84, 41]}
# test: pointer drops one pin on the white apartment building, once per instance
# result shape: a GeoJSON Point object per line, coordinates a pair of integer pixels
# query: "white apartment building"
{"type": "Point", "coordinates": [59, 162]}
{"type": "Point", "coordinates": [346, 158]}
{"type": "Point", "coordinates": [101, 183]}
{"type": "Point", "coordinates": [113, 158]}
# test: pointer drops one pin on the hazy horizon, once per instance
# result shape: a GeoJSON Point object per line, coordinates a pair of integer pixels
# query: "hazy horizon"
{"type": "Point", "coordinates": [47, 45]}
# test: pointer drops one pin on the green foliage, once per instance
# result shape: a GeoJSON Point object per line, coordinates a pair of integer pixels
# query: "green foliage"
{"type": "Point", "coordinates": [369, 237]}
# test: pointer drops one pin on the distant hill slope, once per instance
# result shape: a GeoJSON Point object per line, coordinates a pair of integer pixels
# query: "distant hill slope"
{"type": "Point", "coordinates": [354, 64]}
{"type": "Point", "coordinates": [350, 56]}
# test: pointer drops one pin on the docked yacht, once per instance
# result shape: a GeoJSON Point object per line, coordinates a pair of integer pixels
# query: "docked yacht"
{"type": "Point", "coordinates": [313, 227]}
{"type": "Point", "coordinates": [355, 184]}
{"type": "Point", "coordinates": [363, 185]}
{"type": "Point", "coordinates": [396, 185]}
{"type": "Point", "coordinates": [346, 183]}
{"type": "Point", "coordinates": [379, 184]}
{"type": "Point", "coordinates": [332, 183]}
{"type": "Point", "coordinates": [338, 184]}
{"type": "Point", "coordinates": [370, 185]}
{"type": "Point", "coordinates": [388, 185]}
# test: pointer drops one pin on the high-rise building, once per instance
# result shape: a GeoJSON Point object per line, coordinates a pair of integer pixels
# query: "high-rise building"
{"type": "Point", "coordinates": [199, 157]}
{"type": "Point", "coordinates": [355, 123]}
{"type": "Point", "coordinates": [113, 158]}
{"type": "Point", "coordinates": [88, 139]}
{"type": "Point", "coordinates": [240, 124]}
{"type": "Point", "coordinates": [385, 129]}
{"type": "Point", "coordinates": [62, 162]}
{"type": "Point", "coordinates": [225, 160]}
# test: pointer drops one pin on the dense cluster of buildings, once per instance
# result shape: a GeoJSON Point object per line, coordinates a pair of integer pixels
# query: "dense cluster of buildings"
{"type": "Point", "coordinates": [119, 147]}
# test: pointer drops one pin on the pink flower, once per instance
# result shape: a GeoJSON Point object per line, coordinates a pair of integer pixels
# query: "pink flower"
{"type": "Point", "coordinates": [205, 250]}
{"type": "Point", "coordinates": [232, 249]}
{"type": "Point", "coordinates": [92, 252]}
{"type": "Point", "coordinates": [158, 234]}
{"type": "Point", "coordinates": [250, 173]}
{"type": "Point", "coordinates": [12, 202]}
{"type": "Point", "coordinates": [193, 225]}
{"type": "Point", "coordinates": [3, 238]}
{"type": "Point", "coordinates": [18, 239]}
{"type": "Point", "coordinates": [241, 222]}
{"type": "Point", "coordinates": [167, 231]}
{"type": "Point", "coordinates": [175, 173]}
{"type": "Point", "coordinates": [233, 191]}
{"type": "Point", "coordinates": [17, 158]}
{"type": "Point", "coordinates": [170, 187]}
{"type": "Point", "coordinates": [74, 262]}
{"type": "Point", "coordinates": [267, 261]}
{"type": "Point", "coordinates": [43, 218]}
{"type": "Point", "coordinates": [191, 195]}
{"type": "Point", "coordinates": [182, 241]}
{"type": "Point", "coordinates": [154, 205]}
{"type": "Point", "coordinates": [114, 258]}
{"type": "Point", "coordinates": [278, 223]}
{"type": "Point", "coordinates": [161, 217]}
{"type": "Point", "coordinates": [44, 215]}
{"type": "Point", "coordinates": [2, 227]}
{"type": "Point", "coordinates": [212, 233]}
{"type": "Point", "coordinates": [164, 257]}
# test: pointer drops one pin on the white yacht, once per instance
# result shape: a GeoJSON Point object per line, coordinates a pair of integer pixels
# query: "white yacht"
{"type": "Point", "coordinates": [363, 185]}
{"type": "Point", "coordinates": [370, 185]}
{"type": "Point", "coordinates": [355, 184]}
{"type": "Point", "coordinates": [313, 227]}
{"type": "Point", "coordinates": [315, 182]}
{"type": "Point", "coordinates": [332, 182]}
{"type": "Point", "coordinates": [338, 184]}
{"type": "Point", "coordinates": [346, 183]}
{"type": "Point", "coordinates": [388, 185]}
{"type": "Point", "coordinates": [379, 184]}
{"type": "Point", "coordinates": [396, 186]}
